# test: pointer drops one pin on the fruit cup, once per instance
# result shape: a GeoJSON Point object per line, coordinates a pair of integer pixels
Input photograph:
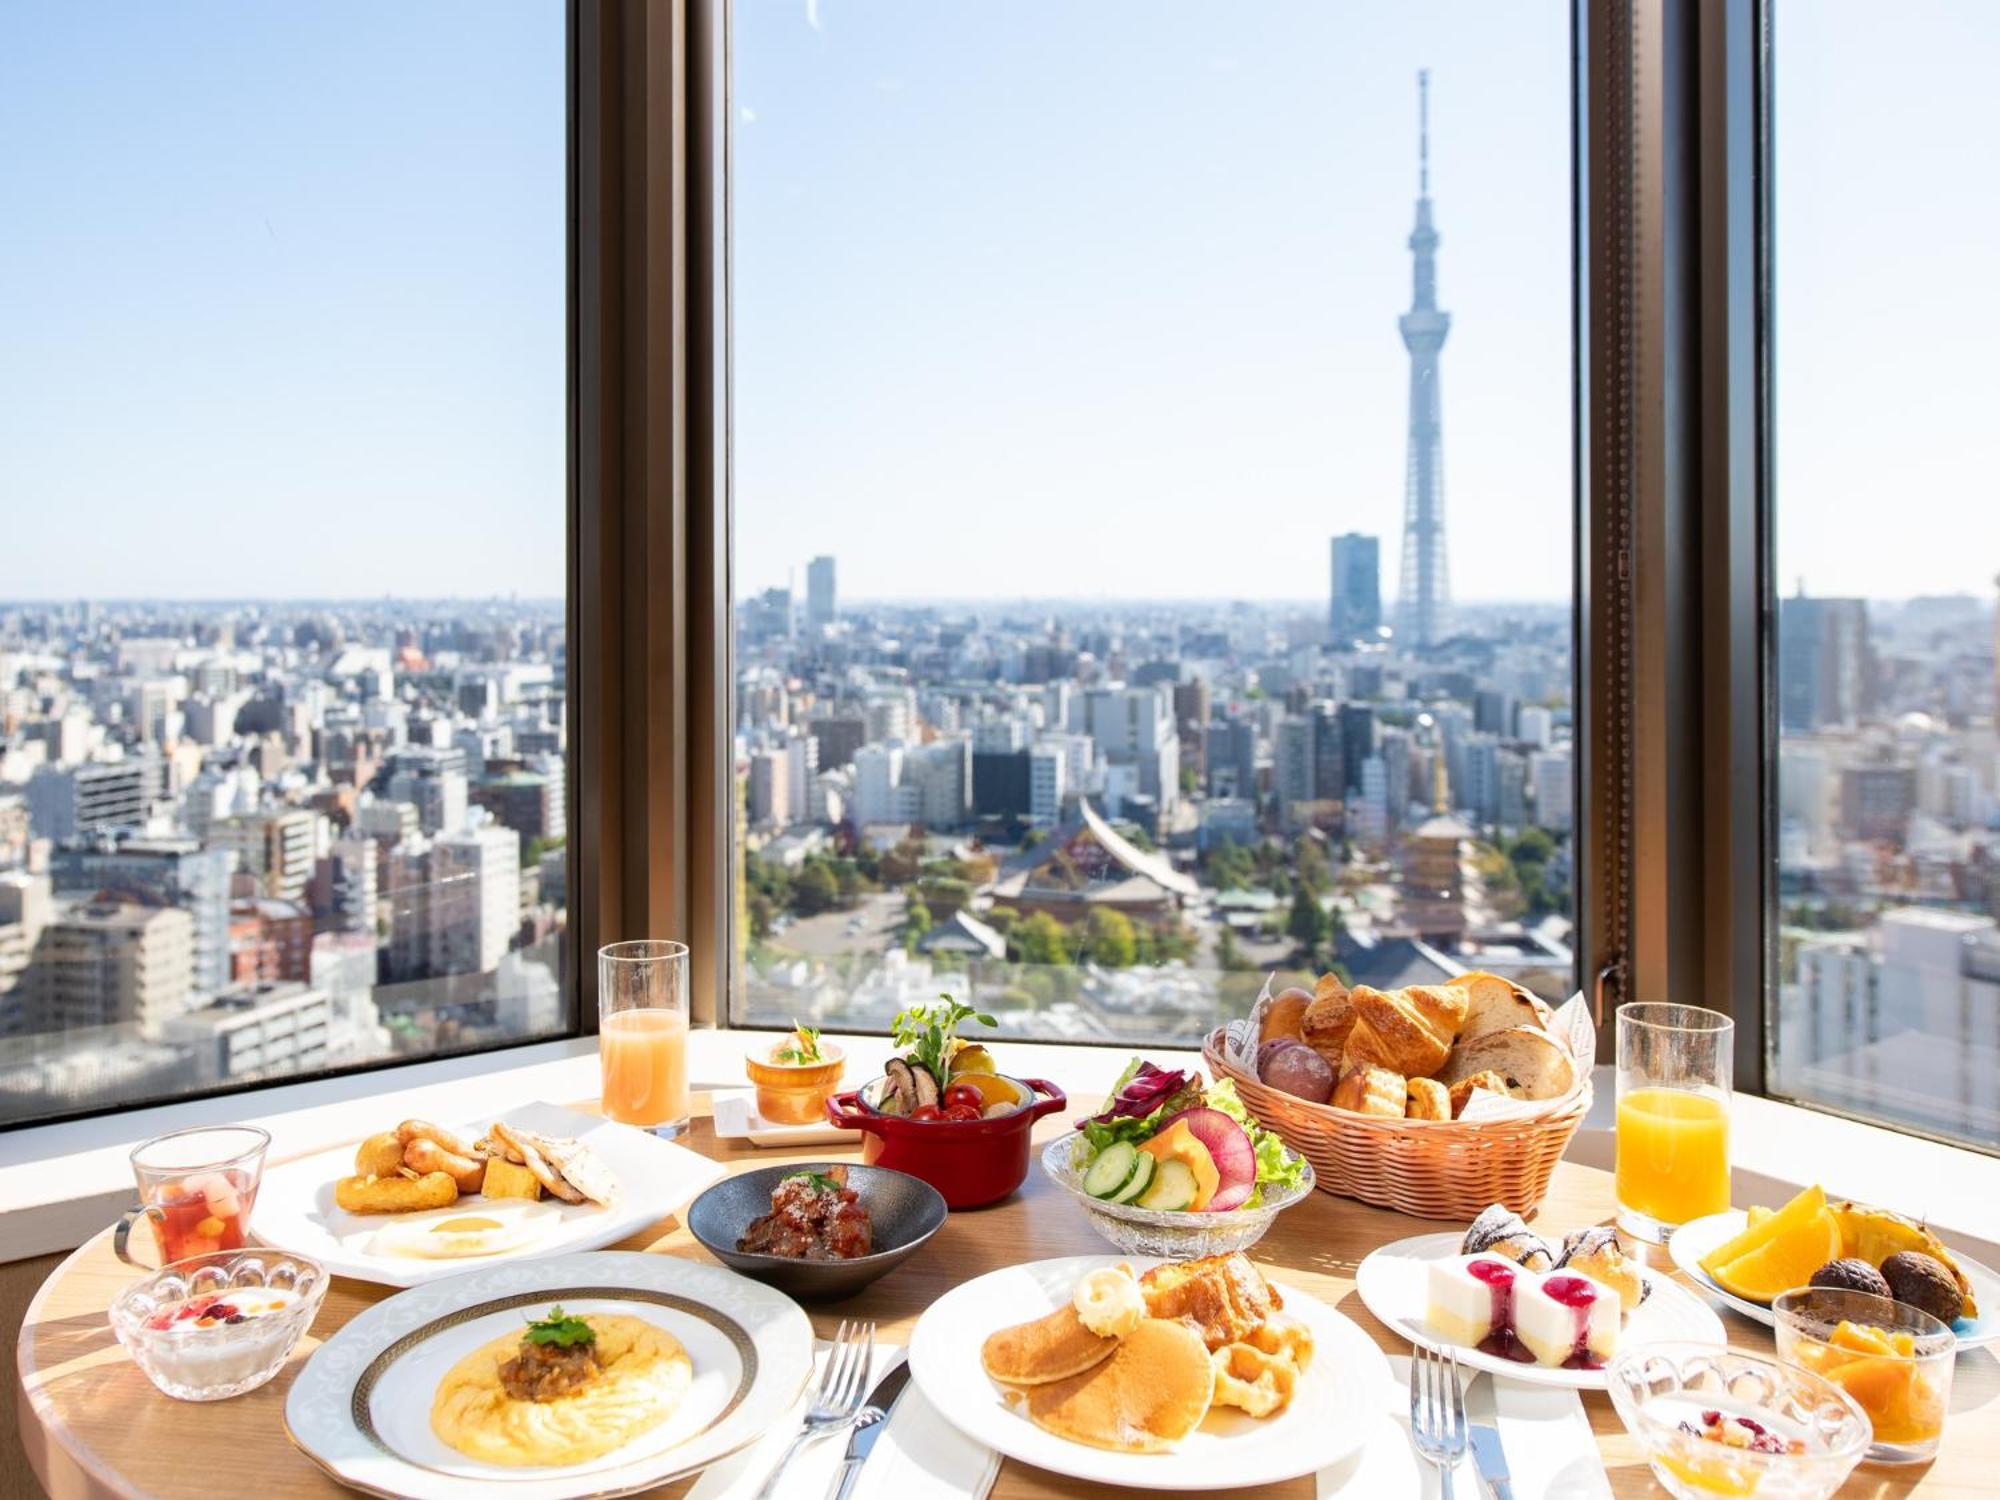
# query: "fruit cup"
{"type": "Point", "coordinates": [196, 1188]}
{"type": "Point", "coordinates": [1894, 1360]}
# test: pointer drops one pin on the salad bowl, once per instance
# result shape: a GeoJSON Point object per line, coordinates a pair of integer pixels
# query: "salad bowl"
{"type": "Point", "coordinates": [1170, 1234]}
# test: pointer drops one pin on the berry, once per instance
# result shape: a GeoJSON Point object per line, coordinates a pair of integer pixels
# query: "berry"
{"type": "Point", "coordinates": [1756, 1427]}
{"type": "Point", "coordinates": [1710, 1418]}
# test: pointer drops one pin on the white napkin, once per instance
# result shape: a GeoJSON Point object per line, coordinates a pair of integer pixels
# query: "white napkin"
{"type": "Point", "coordinates": [918, 1453]}
{"type": "Point", "coordinates": [1551, 1451]}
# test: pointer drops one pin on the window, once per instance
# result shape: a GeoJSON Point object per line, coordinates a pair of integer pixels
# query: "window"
{"type": "Point", "coordinates": [1887, 938]}
{"type": "Point", "coordinates": [1103, 640]}
{"type": "Point", "coordinates": [282, 653]}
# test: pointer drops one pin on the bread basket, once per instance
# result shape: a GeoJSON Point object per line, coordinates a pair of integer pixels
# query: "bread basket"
{"type": "Point", "coordinates": [1431, 1169]}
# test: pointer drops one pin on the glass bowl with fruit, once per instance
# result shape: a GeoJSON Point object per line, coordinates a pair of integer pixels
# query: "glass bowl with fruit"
{"type": "Point", "coordinates": [1176, 1167]}
{"type": "Point", "coordinates": [1893, 1359]}
{"type": "Point", "coordinates": [1714, 1421]}
{"type": "Point", "coordinates": [942, 1113]}
{"type": "Point", "coordinates": [795, 1076]}
{"type": "Point", "coordinates": [217, 1325]}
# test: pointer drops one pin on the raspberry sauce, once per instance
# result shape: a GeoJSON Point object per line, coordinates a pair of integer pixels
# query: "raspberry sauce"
{"type": "Point", "coordinates": [1500, 1342]}
{"type": "Point", "coordinates": [1577, 1294]}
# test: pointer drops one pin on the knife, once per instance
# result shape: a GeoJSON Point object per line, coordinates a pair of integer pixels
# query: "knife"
{"type": "Point", "coordinates": [1487, 1453]}
{"type": "Point", "coordinates": [883, 1401]}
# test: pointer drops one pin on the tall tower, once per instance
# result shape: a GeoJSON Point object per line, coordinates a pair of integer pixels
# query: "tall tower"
{"type": "Point", "coordinates": [1423, 608]}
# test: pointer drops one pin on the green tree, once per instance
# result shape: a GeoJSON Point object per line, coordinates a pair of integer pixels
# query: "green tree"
{"type": "Point", "coordinates": [761, 912]}
{"type": "Point", "coordinates": [1308, 924]}
{"type": "Point", "coordinates": [1040, 939]}
{"type": "Point", "coordinates": [916, 922]}
{"type": "Point", "coordinates": [1229, 953]}
{"type": "Point", "coordinates": [816, 890]}
{"type": "Point", "coordinates": [1309, 866]}
{"type": "Point", "coordinates": [1109, 940]}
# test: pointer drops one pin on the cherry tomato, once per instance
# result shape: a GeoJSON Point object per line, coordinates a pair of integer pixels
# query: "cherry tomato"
{"type": "Point", "coordinates": [963, 1093]}
{"type": "Point", "coordinates": [962, 1112]}
{"type": "Point", "coordinates": [926, 1112]}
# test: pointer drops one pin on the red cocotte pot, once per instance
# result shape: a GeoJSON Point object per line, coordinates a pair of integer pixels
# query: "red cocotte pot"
{"type": "Point", "coordinates": [971, 1162]}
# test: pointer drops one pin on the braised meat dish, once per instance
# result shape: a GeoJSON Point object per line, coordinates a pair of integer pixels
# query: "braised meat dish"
{"type": "Point", "coordinates": [814, 1215]}
{"type": "Point", "coordinates": [548, 1372]}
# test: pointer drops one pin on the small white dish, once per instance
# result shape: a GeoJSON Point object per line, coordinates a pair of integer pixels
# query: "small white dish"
{"type": "Point", "coordinates": [295, 1210]}
{"type": "Point", "coordinates": [1335, 1409]}
{"type": "Point", "coordinates": [736, 1119]}
{"type": "Point", "coordinates": [1696, 1238]}
{"type": "Point", "coordinates": [1392, 1284]}
{"type": "Point", "coordinates": [360, 1408]}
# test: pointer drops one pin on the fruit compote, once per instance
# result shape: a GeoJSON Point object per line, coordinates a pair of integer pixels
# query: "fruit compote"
{"type": "Point", "coordinates": [200, 1214]}
{"type": "Point", "coordinates": [1880, 1369]}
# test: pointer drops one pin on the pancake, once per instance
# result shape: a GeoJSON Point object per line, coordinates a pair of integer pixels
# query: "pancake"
{"type": "Point", "coordinates": [1145, 1398]}
{"type": "Point", "coordinates": [1050, 1348]}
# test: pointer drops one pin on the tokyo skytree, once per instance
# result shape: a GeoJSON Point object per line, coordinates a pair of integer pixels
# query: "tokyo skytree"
{"type": "Point", "coordinates": [1423, 606]}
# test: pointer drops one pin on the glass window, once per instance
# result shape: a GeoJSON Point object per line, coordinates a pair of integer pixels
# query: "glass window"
{"type": "Point", "coordinates": [1887, 543]}
{"type": "Point", "coordinates": [282, 757]}
{"type": "Point", "coordinates": [1103, 639]}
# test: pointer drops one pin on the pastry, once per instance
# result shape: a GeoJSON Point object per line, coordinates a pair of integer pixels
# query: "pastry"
{"type": "Point", "coordinates": [1535, 1064]}
{"type": "Point", "coordinates": [1494, 1004]}
{"type": "Point", "coordinates": [1501, 1231]}
{"type": "Point", "coordinates": [1328, 1020]}
{"type": "Point", "coordinates": [1428, 1100]}
{"type": "Point", "coordinates": [1369, 1090]}
{"type": "Point", "coordinates": [1596, 1253]}
{"type": "Point", "coordinates": [1225, 1298]}
{"type": "Point", "coordinates": [1410, 1030]}
{"type": "Point", "coordinates": [1462, 1091]}
{"type": "Point", "coordinates": [1283, 1015]}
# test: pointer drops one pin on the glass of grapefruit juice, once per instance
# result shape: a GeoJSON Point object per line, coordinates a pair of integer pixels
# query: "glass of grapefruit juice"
{"type": "Point", "coordinates": [642, 1034]}
{"type": "Point", "coordinates": [1675, 1064]}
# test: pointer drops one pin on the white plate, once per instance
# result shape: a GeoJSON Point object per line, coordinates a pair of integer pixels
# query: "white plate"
{"type": "Point", "coordinates": [361, 1406]}
{"type": "Point", "coordinates": [295, 1210]}
{"type": "Point", "coordinates": [1334, 1410]}
{"type": "Point", "coordinates": [1391, 1282]}
{"type": "Point", "coordinates": [1696, 1238]}
{"type": "Point", "coordinates": [736, 1119]}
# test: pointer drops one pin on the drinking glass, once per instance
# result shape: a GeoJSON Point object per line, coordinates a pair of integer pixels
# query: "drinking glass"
{"type": "Point", "coordinates": [1895, 1360]}
{"type": "Point", "coordinates": [642, 1032]}
{"type": "Point", "coordinates": [1674, 1069]}
{"type": "Point", "coordinates": [196, 1188]}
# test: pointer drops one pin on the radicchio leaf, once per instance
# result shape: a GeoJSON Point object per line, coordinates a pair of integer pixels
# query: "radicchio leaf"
{"type": "Point", "coordinates": [1145, 1091]}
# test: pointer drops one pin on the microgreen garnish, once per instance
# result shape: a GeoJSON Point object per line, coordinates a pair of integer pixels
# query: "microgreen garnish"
{"type": "Point", "coordinates": [802, 1046]}
{"type": "Point", "coordinates": [926, 1032]}
{"type": "Point", "coordinates": [819, 1180]}
{"type": "Point", "coordinates": [562, 1331]}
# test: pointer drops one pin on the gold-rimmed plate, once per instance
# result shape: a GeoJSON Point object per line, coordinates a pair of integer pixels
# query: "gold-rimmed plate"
{"type": "Point", "coordinates": [361, 1406]}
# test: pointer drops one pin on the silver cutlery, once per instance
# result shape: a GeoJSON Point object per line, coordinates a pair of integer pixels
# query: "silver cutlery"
{"type": "Point", "coordinates": [1487, 1451]}
{"type": "Point", "coordinates": [837, 1399]}
{"type": "Point", "coordinates": [1437, 1412]}
{"type": "Point", "coordinates": [868, 1428]}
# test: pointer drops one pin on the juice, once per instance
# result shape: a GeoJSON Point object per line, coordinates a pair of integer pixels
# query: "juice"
{"type": "Point", "coordinates": [644, 1055]}
{"type": "Point", "coordinates": [1673, 1154]}
{"type": "Point", "coordinates": [197, 1215]}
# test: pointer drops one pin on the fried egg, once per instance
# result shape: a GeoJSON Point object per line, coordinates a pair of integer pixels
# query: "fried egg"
{"type": "Point", "coordinates": [487, 1228]}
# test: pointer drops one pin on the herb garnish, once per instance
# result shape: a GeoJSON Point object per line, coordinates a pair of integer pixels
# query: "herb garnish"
{"type": "Point", "coordinates": [927, 1032]}
{"type": "Point", "coordinates": [819, 1180]}
{"type": "Point", "coordinates": [802, 1046]}
{"type": "Point", "coordinates": [562, 1331]}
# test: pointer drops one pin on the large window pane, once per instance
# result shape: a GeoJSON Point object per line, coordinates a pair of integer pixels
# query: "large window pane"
{"type": "Point", "coordinates": [1103, 637]}
{"type": "Point", "coordinates": [1888, 947]}
{"type": "Point", "coordinates": [282, 343]}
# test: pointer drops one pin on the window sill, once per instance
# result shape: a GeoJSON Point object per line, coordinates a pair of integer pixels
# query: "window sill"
{"type": "Point", "coordinates": [59, 1184]}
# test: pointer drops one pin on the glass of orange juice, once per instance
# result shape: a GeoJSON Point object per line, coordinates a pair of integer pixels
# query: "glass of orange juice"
{"type": "Point", "coordinates": [642, 1033]}
{"type": "Point", "coordinates": [1675, 1063]}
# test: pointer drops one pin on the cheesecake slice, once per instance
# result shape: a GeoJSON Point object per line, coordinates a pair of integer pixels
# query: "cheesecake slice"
{"type": "Point", "coordinates": [1469, 1300]}
{"type": "Point", "coordinates": [1567, 1320]}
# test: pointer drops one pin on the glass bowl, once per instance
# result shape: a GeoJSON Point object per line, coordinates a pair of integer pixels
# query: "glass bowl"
{"type": "Point", "coordinates": [1172, 1236]}
{"type": "Point", "coordinates": [1894, 1360]}
{"type": "Point", "coordinates": [1663, 1390]}
{"type": "Point", "coordinates": [231, 1354]}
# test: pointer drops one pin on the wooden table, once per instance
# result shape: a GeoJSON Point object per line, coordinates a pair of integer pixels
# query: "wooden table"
{"type": "Point", "coordinates": [94, 1427]}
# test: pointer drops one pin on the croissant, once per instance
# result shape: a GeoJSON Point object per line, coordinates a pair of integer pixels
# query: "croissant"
{"type": "Point", "coordinates": [1327, 1021]}
{"type": "Point", "coordinates": [1371, 1091]}
{"type": "Point", "coordinates": [1409, 1030]}
{"type": "Point", "coordinates": [1429, 1100]}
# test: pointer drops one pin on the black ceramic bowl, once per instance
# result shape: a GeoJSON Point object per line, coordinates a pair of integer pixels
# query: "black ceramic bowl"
{"type": "Point", "coordinates": [903, 1212]}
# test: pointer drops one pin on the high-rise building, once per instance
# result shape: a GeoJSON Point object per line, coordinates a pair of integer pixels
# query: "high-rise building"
{"type": "Point", "coordinates": [475, 906]}
{"type": "Point", "coordinates": [1423, 605]}
{"type": "Point", "coordinates": [1048, 767]}
{"type": "Point", "coordinates": [1355, 611]}
{"type": "Point", "coordinates": [838, 737]}
{"type": "Point", "coordinates": [1357, 741]}
{"type": "Point", "coordinates": [770, 788]}
{"type": "Point", "coordinates": [162, 872]}
{"type": "Point", "coordinates": [821, 605]}
{"type": "Point", "coordinates": [1823, 663]}
{"type": "Point", "coordinates": [1292, 763]}
{"type": "Point", "coordinates": [277, 847]}
{"type": "Point", "coordinates": [66, 802]}
{"type": "Point", "coordinates": [1555, 789]}
{"type": "Point", "coordinates": [110, 964]}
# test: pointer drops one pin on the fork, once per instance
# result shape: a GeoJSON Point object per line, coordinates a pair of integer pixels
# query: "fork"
{"type": "Point", "coordinates": [838, 1397]}
{"type": "Point", "coordinates": [1437, 1412]}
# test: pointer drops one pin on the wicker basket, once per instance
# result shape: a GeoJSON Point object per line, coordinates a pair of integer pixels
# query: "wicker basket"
{"type": "Point", "coordinates": [1432, 1169]}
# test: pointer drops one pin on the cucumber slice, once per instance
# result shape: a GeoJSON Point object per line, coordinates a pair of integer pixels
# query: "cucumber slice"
{"type": "Point", "coordinates": [1112, 1169]}
{"type": "Point", "coordinates": [1138, 1182]}
{"type": "Point", "coordinates": [1173, 1188]}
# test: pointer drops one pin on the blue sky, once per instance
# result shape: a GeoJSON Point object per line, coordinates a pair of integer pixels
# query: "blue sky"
{"type": "Point", "coordinates": [1051, 298]}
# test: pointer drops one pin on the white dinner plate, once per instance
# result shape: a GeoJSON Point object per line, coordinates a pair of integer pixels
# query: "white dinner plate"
{"type": "Point", "coordinates": [736, 1119]}
{"type": "Point", "coordinates": [360, 1408]}
{"type": "Point", "coordinates": [295, 1210]}
{"type": "Point", "coordinates": [1392, 1282]}
{"type": "Point", "coordinates": [1696, 1238]}
{"type": "Point", "coordinates": [1334, 1410]}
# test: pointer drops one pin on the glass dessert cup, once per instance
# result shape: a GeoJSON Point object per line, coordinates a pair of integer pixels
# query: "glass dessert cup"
{"type": "Point", "coordinates": [796, 1093]}
{"type": "Point", "coordinates": [1895, 1361]}
{"type": "Point", "coordinates": [219, 1325]}
{"type": "Point", "coordinates": [196, 1190]}
{"type": "Point", "coordinates": [1812, 1432]}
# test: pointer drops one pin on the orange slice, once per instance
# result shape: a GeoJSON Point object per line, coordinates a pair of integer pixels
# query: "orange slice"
{"type": "Point", "coordinates": [1781, 1262]}
{"type": "Point", "coordinates": [1808, 1205]}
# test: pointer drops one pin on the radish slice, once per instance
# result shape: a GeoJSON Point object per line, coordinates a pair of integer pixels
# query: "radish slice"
{"type": "Point", "coordinates": [1235, 1157]}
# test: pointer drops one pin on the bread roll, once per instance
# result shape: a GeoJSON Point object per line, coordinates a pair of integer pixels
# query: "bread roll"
{"type": "Point", "coordinates": [1428, 1100]}
{"type": "Point", "coordinates": [1534, 1064]}
{"type": "Point", "coordinates": [1328, 1020]}
{"type": "Point", "coordinates": [1371, 1091]}
{"type": "Point", "coordinates": [1409, 1030]}
{"type": "Point", "coordinates": [1463, 1090]}
{"type": "Point", "coordinates": [1494, 1004]}
{"type": "Point", "coordinates": [1282, 1016]}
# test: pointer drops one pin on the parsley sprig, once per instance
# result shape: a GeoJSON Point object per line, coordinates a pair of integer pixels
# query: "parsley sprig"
{"type": "Point", "coordinates": [563, 1331]}
{"type": "Point", "coordinates": [802, 1046]}
{"type": "Point", "coordinates": [819, 1180]}
{"type": "Point", "coordinates": [926, 1032]}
